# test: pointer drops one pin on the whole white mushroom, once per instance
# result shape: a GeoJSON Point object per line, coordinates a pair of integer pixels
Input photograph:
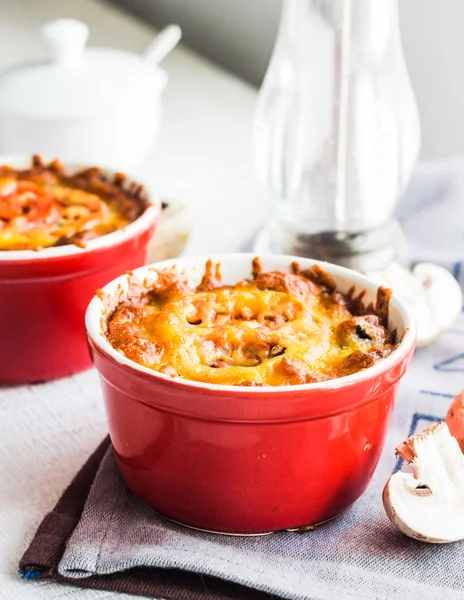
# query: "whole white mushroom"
{"type": "Point", "coordinates": [431, 292]}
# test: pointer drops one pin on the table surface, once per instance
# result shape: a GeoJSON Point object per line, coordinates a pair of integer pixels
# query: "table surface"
{"type": "Point", "coordinates": [204, 158]}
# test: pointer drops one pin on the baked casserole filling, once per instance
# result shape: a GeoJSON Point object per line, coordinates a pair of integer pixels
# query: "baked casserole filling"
{"type": "Point", "coordinates": [44, 206]}
{"type": "Point", "coordinates": [273, 329]}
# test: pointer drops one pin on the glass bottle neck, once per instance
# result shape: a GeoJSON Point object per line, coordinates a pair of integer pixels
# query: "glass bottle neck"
{"type": "Point", "coordinates": [366, 18]}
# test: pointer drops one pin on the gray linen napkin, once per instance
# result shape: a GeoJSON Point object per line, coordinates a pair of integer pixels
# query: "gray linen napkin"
{"type": "Point", "coordinates": [359, 555]}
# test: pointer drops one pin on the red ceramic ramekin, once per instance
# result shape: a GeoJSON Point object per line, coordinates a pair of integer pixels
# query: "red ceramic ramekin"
{"type": "Point", "coordinates": [44, 295]}
{"type": "Point", "coordinates": [248, 460]}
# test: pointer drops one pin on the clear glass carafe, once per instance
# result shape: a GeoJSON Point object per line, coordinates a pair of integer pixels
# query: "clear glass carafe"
{"type": "Point", "coordinates": [336, 131]}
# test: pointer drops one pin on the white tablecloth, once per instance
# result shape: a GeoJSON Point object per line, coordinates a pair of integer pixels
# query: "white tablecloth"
{"type": "Point", "coordinates": [204, 158]}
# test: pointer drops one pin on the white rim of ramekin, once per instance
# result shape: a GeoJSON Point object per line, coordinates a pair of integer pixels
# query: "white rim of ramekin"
{"type": "Point", "coordinates": [94, 315]}
{"type": "Point", "coordinates": [110, 239]}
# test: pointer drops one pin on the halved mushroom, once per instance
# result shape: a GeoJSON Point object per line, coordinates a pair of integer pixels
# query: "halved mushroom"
{"type": "Point", "coordinates": [428, 504]}
{"type": "Point", "coordinates": [455, 419]}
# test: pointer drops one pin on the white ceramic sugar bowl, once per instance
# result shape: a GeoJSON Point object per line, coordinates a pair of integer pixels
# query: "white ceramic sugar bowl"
{"type": "Point", "coordinates": [86, 104]}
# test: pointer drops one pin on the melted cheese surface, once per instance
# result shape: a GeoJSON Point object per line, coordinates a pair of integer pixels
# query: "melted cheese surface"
{"type": "Point", "coordinates": [43, 206]}
{"type": "Point", "coordinates": [275, 329]}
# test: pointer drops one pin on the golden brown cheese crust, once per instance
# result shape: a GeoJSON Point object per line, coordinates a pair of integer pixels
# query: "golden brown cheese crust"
{"type": "Point", "coordinates": [43, 206]}
{"type": "Point", "coordinates": [273, 329]}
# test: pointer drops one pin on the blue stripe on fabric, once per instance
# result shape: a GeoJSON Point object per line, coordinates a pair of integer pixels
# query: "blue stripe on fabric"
{"type": "Point", "coordinates": [29, 574]}
{"type": "Point", "coordinates": [457, 270]}
{"type": "Point", "coordinates": [444, 364]}
{"type": "Point", "coordinates": [441, 394]}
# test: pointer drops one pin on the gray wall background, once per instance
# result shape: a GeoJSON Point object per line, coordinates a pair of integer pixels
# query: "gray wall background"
{"type": "Point", "coordinates": [239, 35]}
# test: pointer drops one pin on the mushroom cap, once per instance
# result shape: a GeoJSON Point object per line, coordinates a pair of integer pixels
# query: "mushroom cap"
{"type": "Point", "coordinates": [428, 504]}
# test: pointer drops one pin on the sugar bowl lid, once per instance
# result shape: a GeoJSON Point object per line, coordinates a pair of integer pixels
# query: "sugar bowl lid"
{"type": "Point", "coordinates": [77, 81]}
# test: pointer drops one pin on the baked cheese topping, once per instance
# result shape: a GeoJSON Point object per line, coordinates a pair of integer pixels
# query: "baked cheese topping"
{"type": "Point", "coordinates": [43, 206]}
{"type": "Point", "coordinates": [273, 329]}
